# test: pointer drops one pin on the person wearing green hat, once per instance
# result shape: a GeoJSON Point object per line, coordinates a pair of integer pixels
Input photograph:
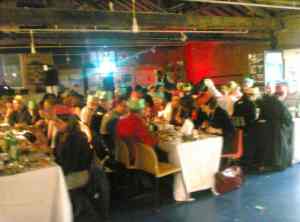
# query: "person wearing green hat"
{"type": "Point", "coordinates": [133, 128]}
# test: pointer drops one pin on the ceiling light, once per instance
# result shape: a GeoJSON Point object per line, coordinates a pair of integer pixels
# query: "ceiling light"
{"type": "Point", "coordinates": [32, 45]}
{"type": "Point", "coordinates": [135, 26]}
{"type": "Point", "coordinates": [111, 6]}
{"type": "Point", "coordinates": [183, 37]}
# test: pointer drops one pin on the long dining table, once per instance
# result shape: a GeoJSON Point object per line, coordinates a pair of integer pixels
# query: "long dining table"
{"type": "Point", "coordinates": [199, 161]}
{"type": "Point", "coordinates": [32, 186]}
{"type": "Point", "coordinates": [39, 195]}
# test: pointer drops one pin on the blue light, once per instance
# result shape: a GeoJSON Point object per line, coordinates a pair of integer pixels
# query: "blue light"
{"type": "Point", "coordinates": [107, 66]}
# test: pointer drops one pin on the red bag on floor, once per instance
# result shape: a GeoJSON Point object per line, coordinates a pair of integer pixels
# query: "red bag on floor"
{"type": "Point", "coordinates": [228, 180]}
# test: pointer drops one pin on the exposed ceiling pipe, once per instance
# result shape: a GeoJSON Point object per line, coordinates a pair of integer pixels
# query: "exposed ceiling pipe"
{"type": "Point", "coordinates": [91, 46]}
{"type": "Point", "coordinates": [247, 4]}
{"type": "Point", "coordinates": [124, 31]}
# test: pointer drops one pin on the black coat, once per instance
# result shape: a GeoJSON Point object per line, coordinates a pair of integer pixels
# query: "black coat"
{"type": "Point", "coordinates": [274, 134]}
{"type": "Point", "coordinates": [72, 152]}
{"type": "Point", "coordinates": [22, 116]}
{"type": "Point", "coordinates": [221, 120]}
{"type": "Point", "coordinates": [245, 109]}
{"type": "Point", "coordinates": [244, 117]}
{"type": "Point", "coordinates": [51, 77]}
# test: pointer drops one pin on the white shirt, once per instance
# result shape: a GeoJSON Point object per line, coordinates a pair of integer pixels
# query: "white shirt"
{"type": "Point", "coordinates": [167, 112]}
{"type": "Point", "coordinates": [187, 127]}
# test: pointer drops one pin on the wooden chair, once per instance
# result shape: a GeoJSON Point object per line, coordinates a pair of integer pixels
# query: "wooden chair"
{"type": "Point", "coordinates": [238, 146]}
{"type": "Point", "coordinates": [123, 155]}
{"type": "Point", "coordinates": [147, 161]}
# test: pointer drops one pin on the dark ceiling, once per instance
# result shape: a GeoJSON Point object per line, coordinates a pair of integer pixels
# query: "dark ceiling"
{"type": "Point", "coordinates": [14, 40]}
{"type": "Point", "coordinates": [166, 6]}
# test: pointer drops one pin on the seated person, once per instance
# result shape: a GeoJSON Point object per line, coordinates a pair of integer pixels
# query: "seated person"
{"type": "Point", "coordinates": [150, 109]}
{"type": "Point", "coordinates": [133, 129]}
{"type": "Point", "coordinates": [20, 114]}
{"type": "Point", "coordinates": [110, 120]}
{"type": "Point", "coordinates": [34, 112]}
{"type": "Point", "coordinates": [8, 109]}
{"type": "Point", "coordinates": [219, 123]}
{"type": "Point", "coordinates": [89, 110]}
{"type": "Point", "coordinates": [172, 111]}
{"type": "Point", "coordinates": [74, 155]}
{"type": "Point", "coordinates": [187, 104]}
{"type": "Point", "coordinates": [72, 150]}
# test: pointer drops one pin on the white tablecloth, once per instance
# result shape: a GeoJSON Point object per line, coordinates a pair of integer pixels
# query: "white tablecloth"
{"type": "Point", "coordinates": [296, 157]}
{"type": "Point", "coordinates": [35, 196]}
{"type": "Point", "coordinates": [199, 161]}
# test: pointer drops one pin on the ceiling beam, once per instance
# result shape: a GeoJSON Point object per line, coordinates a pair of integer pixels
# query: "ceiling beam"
{"type": "Point", "coordinates": [289, 5]}
{"type": "Point", "coordinates": [256, 11]}
{"type": "Point", "coordinates": [15, 17]}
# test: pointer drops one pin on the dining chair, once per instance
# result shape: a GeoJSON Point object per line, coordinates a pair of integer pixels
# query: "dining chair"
{"type": "Point", "coordinates": [147, 161]}
{"type": "Point", "coordinates": [123, 155]}
{"type": "Point", "coordinates": [238, 146]}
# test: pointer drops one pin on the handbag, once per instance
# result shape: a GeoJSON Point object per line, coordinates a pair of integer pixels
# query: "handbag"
{"type": "Point", "coordinates": [228, 180]}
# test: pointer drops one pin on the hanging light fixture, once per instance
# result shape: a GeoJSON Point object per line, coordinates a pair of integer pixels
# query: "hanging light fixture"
{"type": "Point", "coordinates": [111, 6]}
{"type": "Point", "coordinates": [32, 45]}
{"type": "Point", "coordinates": [135, 26]}
{"type": "Point", "coordinates": [68, 59]}
{"type": "Point", "coordinates": [183, 37]}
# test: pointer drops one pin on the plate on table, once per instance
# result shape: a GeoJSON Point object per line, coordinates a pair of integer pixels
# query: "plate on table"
{"type": "Point", "coordinates": [4, 125]}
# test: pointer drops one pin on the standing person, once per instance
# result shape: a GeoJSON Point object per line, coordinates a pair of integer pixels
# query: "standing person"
{"type": "Point", "coordinates": [225, 101]}
{"type": "Point", "coordinates": [20, 114]}
{"type": "Point", "coordinates": [245, 109]}
{"type": "Point", "coordinates": [274, 134]}
{"type": "Point", "coordinates": [244, 117]}
{"type": "Point", "coordinates": [51, 79]}
{"type": "Point", "coordinates": [109, 85]}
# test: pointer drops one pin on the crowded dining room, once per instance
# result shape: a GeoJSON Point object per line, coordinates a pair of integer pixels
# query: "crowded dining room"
{"type": "Point", "coordinates": [149, 110]}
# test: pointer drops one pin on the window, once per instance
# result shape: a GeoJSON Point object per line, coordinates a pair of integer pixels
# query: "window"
{"type": "Point", "coordinates": [10, 71]}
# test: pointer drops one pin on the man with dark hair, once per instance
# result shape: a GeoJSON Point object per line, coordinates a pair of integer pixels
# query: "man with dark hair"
{"type": "Point", "coordinates": [110, 120]}
{"type": "Point", "coordinates": [219, 123]}
{"type": "Point", "coordinates": [244, 117]}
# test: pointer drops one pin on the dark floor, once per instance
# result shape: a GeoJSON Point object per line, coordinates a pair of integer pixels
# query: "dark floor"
{"type": "Point", "coordinates": [272, 197]}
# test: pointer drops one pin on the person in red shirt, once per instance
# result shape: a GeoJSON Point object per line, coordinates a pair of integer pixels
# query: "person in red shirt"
{"type": "Point", "coordinates": [132, 127]}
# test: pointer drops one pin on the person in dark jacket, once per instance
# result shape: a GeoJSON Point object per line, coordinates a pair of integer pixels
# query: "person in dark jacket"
{"type": "Point", "coordinates": [245, 109]}
{"type": "Point", "coordinates": [72, 150]}
{"type": "Point", "coordinates": [274, 134]}
{"type": "Point", "coordinates": [244, 117]}
{"type": "Point", "coordinates": [219, 123]}
{"type": "Point", "coordinates": [20, 114]}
